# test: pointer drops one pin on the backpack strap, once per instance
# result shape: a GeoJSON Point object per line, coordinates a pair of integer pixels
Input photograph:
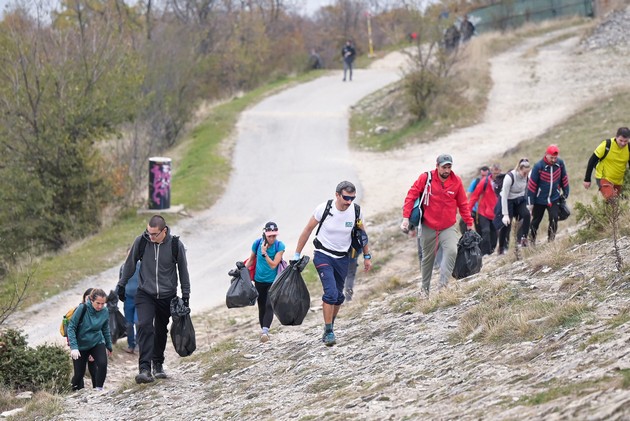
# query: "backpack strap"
{"type": "Point", "coordinates": [83, 310]}
{"type": "Point", "coordinates": [175, 247]}
{"type": "Point", "coordinates": [141, 246]}
{"type": "Point", "coordinates": [324, 215]}
{"type": "Point", "coordinates": [357, 213]}
{"type": "Point", "coordinates": [608, 144]}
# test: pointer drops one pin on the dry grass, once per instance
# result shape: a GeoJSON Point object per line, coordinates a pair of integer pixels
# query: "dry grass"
{"type": "Point", "coordinates": [508, 314]}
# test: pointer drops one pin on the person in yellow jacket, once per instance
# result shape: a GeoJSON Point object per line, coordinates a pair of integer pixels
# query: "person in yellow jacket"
{"type": "Point", "coordinates": [610, 160]}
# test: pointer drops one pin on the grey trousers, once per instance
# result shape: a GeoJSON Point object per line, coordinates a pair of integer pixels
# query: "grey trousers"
{"type": "Point", "coordinates": [447, 241]}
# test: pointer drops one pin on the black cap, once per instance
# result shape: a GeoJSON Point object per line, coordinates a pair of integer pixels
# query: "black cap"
{"type": "Point", "coordinates": [271, 226]}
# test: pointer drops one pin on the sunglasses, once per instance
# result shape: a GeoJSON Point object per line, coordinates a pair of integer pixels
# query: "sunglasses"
{"type": "Point", "coordinates": [348, 198]}
{"type": "Point", "coordinates": [271, 229]}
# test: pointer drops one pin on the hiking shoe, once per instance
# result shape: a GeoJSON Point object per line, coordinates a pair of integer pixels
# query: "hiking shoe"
{"type": "Point", "coordinates": [329, 339]}
{"type": "Point", "coordinates": [264, 337]}
{"type": "Point", "coordinates": [349, 293]}
{"type": "Point", "coordinates": [129, 350]}
{"type": "Point", "coordinates": [144, 377]}
{"type": "Point", "coordinates": [524, 242]}
{"type": "Point", "coordinates": [158, 371]}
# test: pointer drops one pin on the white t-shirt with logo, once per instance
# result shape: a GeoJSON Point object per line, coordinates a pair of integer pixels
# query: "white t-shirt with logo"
{"type": "Point", "coordinates": [336, 229]}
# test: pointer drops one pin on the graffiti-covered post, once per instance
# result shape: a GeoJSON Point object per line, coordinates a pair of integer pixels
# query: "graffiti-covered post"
{"type": "Point", "coordinates": [159, 183]}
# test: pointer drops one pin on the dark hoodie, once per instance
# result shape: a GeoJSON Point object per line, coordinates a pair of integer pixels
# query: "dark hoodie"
{"type": "Point", "coordinates": [158, 274]}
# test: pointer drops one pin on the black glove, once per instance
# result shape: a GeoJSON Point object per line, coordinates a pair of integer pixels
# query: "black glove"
{"type": "Point", "coordinates": [121, 293]}
{"type": "Point", "coordinates": [186, 301]}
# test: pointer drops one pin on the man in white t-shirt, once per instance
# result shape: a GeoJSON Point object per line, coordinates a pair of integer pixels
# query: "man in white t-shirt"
{"type": "Point", "coordinates": [332, 243]}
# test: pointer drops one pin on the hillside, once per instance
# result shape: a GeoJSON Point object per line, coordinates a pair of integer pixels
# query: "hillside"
{"type": "Point", "coordinates": [540, 338]}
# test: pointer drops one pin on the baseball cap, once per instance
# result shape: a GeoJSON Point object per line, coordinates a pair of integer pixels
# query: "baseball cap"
{"type": "Point", "coordinates": [552, 150]}
{"type": "Point", "coordinates": [271, 227]}
{"type": "Point", "coordinates": [444, 159]}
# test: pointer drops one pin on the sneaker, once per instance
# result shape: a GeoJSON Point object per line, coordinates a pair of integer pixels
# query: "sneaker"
{"type": "Point", "coordinates": [158, 371]}
{"type": "Point", "coordinates": [424, 294]}
{"type": "Point", "coordinates": [524, 242]}
{"type": "Point", "coordinates": [329, 339]}
{"type": "Point", "coordinates": [144, 377]}
{"type": "Point", "coordinates": [349, 293]}
{"type": "Point", "coordinates": [129, 350]}
{"type": "Point", "coordinates": [264, 337]}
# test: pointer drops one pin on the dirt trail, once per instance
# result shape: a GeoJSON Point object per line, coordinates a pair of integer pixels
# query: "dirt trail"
{"type": "Point", "coordinates": [535, 86]}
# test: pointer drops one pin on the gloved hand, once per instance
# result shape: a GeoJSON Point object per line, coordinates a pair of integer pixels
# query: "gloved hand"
{"type": "Point", "coordinates": [75, 354]}
{"type": "Point", "coordinates": [186, 301]}
{"type": "Point", "coordinates": [506, 220]}
{"type": "Point", "coordinates": [296, 256]}
{"type": "Point", "coordinates": [404, 225]}
{"type": "Point", "coordinates": [120, 290]}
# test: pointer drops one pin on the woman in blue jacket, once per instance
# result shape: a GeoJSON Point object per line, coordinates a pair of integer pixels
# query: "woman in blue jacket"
{"type": "Point", "coordinates": [88, 333]}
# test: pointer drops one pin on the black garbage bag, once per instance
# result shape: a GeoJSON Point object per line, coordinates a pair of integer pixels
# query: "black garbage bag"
{"type": "Point", "coordinates": [242, 292]}
{"type": "Point", "coordinates": [182, 330]}
{"type": "Point", "coordinates": [117, 322]}
{"type": "Point", "coordinates": [468, 261]}
{"type": "Point", "coordinates": [563, 209]}
{"type": "Point", "coordinates": [289, 295]}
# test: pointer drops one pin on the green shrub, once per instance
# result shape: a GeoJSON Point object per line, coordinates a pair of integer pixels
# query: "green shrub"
{"type": "Point", "coordinates": [46, 367]}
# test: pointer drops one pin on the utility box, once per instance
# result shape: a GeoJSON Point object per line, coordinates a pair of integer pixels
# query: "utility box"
{"type": "Point", "coordinates": [159, 182]}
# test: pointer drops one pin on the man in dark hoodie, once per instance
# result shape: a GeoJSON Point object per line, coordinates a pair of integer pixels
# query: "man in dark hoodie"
{"type": "Point", "coordinates": [163, 256]}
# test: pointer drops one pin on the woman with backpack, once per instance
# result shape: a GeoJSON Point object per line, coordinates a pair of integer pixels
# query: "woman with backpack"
{"type": "Point", "coordinates": [514, 204]}
{"type": "Point", "coordinates": [88, 334]}
{"type": "Point", "coordinates": [266, 255]}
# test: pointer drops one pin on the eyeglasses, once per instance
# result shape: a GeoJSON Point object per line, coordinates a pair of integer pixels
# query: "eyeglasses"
{"type": "Point", "coordinates": [155, 234]}
{"type": "Point", "coordinates": [348, 198]}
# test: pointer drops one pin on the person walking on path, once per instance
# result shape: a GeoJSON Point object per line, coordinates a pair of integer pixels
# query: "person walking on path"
{"type": "Point", "coordinates": [445, 195]}
{"type": "Point", "coordinates": [514, 204]}
{"type": "Point", "coordinates": [88, 334]}
{"type": "Point", "coordinates": [131, 315]}
{"type": "Point", "coordinates": [610, 161]}
{"type": "Point", "coordinates": [548, 177]}
{"type": "Point", "coordinates": [333, 240]}
{"type": "Point", "coordinates": [483, 196]}
{"type": "Point", "coordinates": [163, 256]}
{"type": "Point", "coordinates": [347, 54]}
{"type": "Point", "coordinates": [267, 254]}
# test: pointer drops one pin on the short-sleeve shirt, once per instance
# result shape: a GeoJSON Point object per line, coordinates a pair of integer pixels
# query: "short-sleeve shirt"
{"type": "Point", "coordinates": [335, 233]}
{"type": "Point", "coordinates": [264, 273]}
{"type": "Point", "coordinates": [613, 167]}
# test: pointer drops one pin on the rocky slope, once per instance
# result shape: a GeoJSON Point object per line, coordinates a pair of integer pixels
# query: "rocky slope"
{"type": "Point", "coordinates": [399, 357]}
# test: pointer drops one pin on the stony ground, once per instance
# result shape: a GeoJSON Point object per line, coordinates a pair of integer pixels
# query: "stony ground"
{"type": "Point", "coordinates": [398, 358]}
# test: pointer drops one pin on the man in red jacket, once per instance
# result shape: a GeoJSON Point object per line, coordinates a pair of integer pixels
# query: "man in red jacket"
{"type": "Point", "coordinates": [484, 194]}
{"type": "Point", "coordinates": [445, 194]}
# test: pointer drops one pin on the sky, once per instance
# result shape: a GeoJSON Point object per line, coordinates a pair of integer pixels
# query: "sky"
{"type": "Point", "coordinates": [309, 6]}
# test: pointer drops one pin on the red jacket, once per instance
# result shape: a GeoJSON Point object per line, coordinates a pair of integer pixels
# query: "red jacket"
{"type": "Point", "coordinates": [444, 199]}
{"type": "Point", "coordinates": [486, 197]}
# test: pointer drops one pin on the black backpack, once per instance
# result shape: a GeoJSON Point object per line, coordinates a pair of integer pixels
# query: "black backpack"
{"type": "Point", "coordinates": [357, 239]}
{"type": "Point", "coordinates": [174, 245]}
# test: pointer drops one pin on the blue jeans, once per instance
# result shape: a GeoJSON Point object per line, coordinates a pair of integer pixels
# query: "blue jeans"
{"type": "Point", "coordinates": [132, 320]}
{"type": "Point", "coordinates": [332, 273]}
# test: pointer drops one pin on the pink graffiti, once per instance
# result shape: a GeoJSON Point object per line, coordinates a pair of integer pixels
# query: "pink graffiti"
{"type": "Point", "coordinates": [161, 181]}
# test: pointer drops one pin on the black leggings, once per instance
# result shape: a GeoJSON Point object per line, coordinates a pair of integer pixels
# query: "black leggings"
{"type": "Point", "coordinates": [265, 312]}
{"type": "Point", "coordinates": [99, 353]}
{"type": "Point", "coordinates": [517, 208]}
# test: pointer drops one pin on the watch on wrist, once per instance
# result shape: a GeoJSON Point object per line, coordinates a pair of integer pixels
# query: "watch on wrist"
{"type": "Point", "coordinates": [264, 254]}
{"type": "Point", "coordinates": [367, 256]}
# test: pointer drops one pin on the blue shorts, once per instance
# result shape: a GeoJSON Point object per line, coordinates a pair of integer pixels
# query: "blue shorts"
{"type": "Point", "coordinates": [332, 273]}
